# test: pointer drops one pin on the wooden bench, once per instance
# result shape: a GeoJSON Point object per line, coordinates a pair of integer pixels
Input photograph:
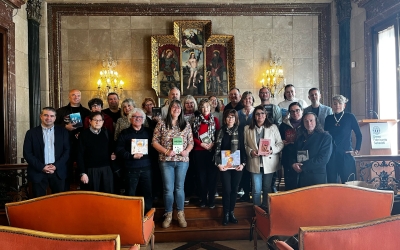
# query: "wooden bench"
{"type": "Point", "coordinates": [320, 205]}
{"type": "Point", "coordinates": [19, 238]}
{"type": "Point", "coordinates": [373, 234]}
{"type": "Point", "coordinates": [86, 213]}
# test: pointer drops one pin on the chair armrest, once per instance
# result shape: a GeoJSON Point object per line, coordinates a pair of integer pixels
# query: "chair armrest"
{"type": "Point", "coordinates": [149, 215]}
{"type": "Point", "coordinates": [262, 222]}
{"type": "Point", "coordinates": [282, 245]}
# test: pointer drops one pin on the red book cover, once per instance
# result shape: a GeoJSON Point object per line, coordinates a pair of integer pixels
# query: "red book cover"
{"type": "Point", "coordinates": [264, 146]}
{"type": "Point", "coordinates": [290, 135]}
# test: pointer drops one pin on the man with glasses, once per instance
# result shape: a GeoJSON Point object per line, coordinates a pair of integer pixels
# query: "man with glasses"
{"type": "Point", "coordinates": [137, 156]}
{"type": "Point", "coordinates": [47, 160]}
{"type": "Point", "coordinates": [96, 105]}
{"type": "Point", "coordinates": [316, 107]}
{"type": "Point", "coordinates": [95, 156]}
{"type": "Point", "coordinates": [273, 111]}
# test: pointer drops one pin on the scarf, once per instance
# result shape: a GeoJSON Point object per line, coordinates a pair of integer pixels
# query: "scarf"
{"type": "Point", "coordinates": [210, 128]}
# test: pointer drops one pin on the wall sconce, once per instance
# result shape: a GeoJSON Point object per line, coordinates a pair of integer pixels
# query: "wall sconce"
{"type": "Point", "coordinates": [273, 78]}
{"type": "Point", "coordinates": [109, 81]}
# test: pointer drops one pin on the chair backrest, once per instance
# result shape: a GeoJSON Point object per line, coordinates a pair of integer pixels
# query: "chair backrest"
{"type": "Point", "coordinates": [18, 239]}
{"type": "Point", "coordinates": [374, 234]}
{"type": "Point", "coordinates": [81, 213]}
{"type": "Point", "coordinates": [323, 205]}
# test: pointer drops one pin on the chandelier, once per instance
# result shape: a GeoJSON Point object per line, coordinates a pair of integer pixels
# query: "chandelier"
{"type": "Point", "coordinates": [273, 78]}
{"type": "Point", "coordinates": [109, 81]}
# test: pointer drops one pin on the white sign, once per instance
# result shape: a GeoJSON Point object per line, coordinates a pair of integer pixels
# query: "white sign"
{"type": "Point", "coordinates": [379, 135]}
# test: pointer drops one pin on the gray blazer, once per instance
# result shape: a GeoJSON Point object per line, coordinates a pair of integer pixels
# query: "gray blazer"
{"type": "Point", "coordinates": [324, 111]}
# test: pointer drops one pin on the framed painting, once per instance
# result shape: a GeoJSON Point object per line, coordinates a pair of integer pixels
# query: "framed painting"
{"type": "Point", "coordinates": [193, 60]}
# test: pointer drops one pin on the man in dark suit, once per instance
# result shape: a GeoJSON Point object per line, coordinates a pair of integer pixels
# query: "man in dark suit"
{"type": "Point", "coordinates": [46, 149]}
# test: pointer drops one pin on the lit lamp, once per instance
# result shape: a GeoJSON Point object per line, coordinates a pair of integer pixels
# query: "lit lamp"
{"type": "Point", "coordinates": [273, 78]}
{"type": "Point", "coordinates": [109, 79]}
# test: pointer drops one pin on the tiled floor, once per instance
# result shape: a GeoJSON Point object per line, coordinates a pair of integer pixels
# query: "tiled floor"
{"type": "Point", "coordinates": [225, 245]}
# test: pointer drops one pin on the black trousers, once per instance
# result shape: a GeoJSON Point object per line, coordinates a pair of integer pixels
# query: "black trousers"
{"type": "Point", "coordinates": [291, 178]}
{"type": "Point", "coordinates": [230, 183]}
{"type": "Point", "coordinates": [191, 181]}
{"type": "Point", "coordinates": [142, 177]}
{"type": "Point", "coordinates": [56, 185]}
{"type": "Point", "coordinates": [100, 180]}
{"type": "Point", "coordinates": [207, 173]}
{"type": "Point", "coordinates": [340, 164]}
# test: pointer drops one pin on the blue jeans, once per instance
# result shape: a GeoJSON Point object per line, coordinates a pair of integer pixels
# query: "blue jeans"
{"type": "Point", "coordinates": [261, 181]}
{"type": "Point", "coordinates": [173, 174]}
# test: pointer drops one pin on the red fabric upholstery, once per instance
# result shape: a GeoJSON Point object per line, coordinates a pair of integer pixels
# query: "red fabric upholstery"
{"type": "Point", "coordinates": [373, 234]}
{"type": "Point", "coordinates": [21, 239]}
{"type": "Point", "coordinates": [86, 213]}
{"type": "Point", "coordinates": [320, 205]}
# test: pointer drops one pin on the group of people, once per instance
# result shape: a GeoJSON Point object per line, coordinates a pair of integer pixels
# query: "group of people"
{"type": "Point", "coordinates": [186, 147]}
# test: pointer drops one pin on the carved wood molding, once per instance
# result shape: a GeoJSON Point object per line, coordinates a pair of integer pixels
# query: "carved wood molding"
{"type": "Point", "coordinates": [56, 11]}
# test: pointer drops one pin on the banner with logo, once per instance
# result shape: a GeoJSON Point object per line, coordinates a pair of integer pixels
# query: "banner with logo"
{"type": "Point", "coordinates": [379, 135]}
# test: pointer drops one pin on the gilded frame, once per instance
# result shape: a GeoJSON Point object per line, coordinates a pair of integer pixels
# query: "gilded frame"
{"type": "Point", "coordinates": [183, 60]}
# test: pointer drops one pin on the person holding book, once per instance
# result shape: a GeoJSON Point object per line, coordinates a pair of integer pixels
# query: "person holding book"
{"type": "Point", "coordinates": [95, 156]}
{"type": "Point", "coordinates": [230, 151]}
{"type": "Point", "coordinates": [173, 139]}
{"type": "Point", "coordinates": [340, 125]}
{"type": "Point", "coordinates": [263, 145]}
{"type": "Point", "coordinates": [205, 127]}
{"type": "Point", "coordinates": [245, 116]}
{"type": "Point", "coordinates": [313, 150]}
{"type": "Point", "coordinates": [288, 130]}
{"type": "Point", "coordinates": [133, 147]}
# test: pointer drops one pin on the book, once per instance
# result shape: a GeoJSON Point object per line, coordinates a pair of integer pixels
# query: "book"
{"type": "Point", "coordinates": [264, 146]}
{"type": "Point", "coordinates": [76, 120]}
{"type": "Point", "coordinates": [177, 144]}
{"type": "Point", "coordinates": [302, 155]}
{"type": "Point", "coordinates": [139, 146]}
{"type": "Point", "coordinates": [205, 138]}
{"type": "Point", "coordinates": [230, 160]}
{"type": "Point", "coordinates": [156, 111]}
{"type": "Point", "coordinates": [290, 135]}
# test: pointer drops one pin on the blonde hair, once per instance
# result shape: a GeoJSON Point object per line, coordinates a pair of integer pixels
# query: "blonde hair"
{"type": "Point", "coordinates": [340, 99]}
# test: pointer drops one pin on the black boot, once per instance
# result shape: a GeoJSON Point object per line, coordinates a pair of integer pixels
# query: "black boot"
{"type": "Point", "coordinates": [226, 218]}
{"type": "Point", "coordinates": [232, 218]}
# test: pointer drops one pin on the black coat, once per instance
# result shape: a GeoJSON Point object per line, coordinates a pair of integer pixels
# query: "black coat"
{"type": "Point", "coordinates": [319, 146]}
{"type": "Point", "coordinates": [34, 152]}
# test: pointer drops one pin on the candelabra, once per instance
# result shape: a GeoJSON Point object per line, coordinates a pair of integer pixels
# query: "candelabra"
{"type": "Point", "coordinates": [109, 81]}
{"type": "Point", "coordinates": [273, 78]}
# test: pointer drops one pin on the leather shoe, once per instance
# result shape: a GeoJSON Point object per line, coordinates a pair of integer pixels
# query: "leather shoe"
{"type": "Point", "coordinates": [232, 218]}
{"type": "Point", "coordinates": [225, 220]}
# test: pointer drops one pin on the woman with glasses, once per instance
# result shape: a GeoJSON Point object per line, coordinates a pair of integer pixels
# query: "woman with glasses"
{"type": "Point", "coordinates": [288, 130]}
{"type": "Point", "coordinates": [189, 108]}
{"type": "Point", "coordinates": [229, 137]}
{"type": "Point", "coordinates": [205, 127]}
{"type": "Point", "coordinates": [173, 139]}
{"type": "Point", "coordinates": [340, 125]}
{"type": "Point", "coordinates": [95, 156]}
{"type": "Point", "coordinates": [314, 147]}
{"type": "Point", "coordinates": [136, 157]}
{"type": "Point", "coordinates": [263, 158]}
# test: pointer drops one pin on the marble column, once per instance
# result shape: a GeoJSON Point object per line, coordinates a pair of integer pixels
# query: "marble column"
{"type": "Point", "coordinates": [33, 14]}
{"type": "Point", "coordinates": [343, 13]}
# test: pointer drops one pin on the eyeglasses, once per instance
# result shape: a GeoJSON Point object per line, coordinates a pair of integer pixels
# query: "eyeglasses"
{"type": "Point", "coordinates": [137, 117]}
{"type": "Point", "coordinates": [94, 120]}
{"type": "Point", "coordinates": [261, 113]}
{"type": "Point", "coordinates": [230, 117]}
{"type": "Point", "coordinates": [295, 111]}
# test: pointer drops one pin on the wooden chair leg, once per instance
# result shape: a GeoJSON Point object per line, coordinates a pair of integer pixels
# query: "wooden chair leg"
{"type": "Point", "coordinates": [152, 242]}
{"type": "Point", "coordinates": [255, 237]}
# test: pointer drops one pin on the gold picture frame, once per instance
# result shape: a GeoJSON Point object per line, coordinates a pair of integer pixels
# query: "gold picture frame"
{"type": "Point", "coordinates": [192, 59]}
